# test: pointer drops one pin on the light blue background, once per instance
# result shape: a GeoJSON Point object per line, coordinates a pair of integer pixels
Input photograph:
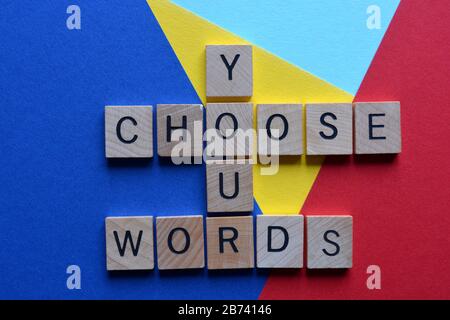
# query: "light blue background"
{"type": "Point", "coordinates": [328, 38]}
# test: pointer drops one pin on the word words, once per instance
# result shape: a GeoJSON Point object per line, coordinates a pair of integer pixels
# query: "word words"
{"type": "Point", "coordinates": [230, 242]}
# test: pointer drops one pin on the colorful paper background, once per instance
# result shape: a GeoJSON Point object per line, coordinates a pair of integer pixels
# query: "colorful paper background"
{"type": "Point", "coordinates": [57, 187]}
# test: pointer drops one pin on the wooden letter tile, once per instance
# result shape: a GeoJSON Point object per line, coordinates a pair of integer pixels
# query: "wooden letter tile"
{"type": "Point", "coordinates": [377, 126]}
{"type": "Point", "coordinates": [129, 243]}
{"type": "Point", "coordinates": [229, 71]}
{"type": "Point", "coordinates": [229, 187]}
{"type": "Point", "coordinates": [230, 242]}
{"type": "Point", "coordinates": [229, 129]}
{"type": "Point", "coordinates": [180, 242]}
{"type": "Point", "coordinates": [128, 132]}
{"type": "Point", "coordinates": [279, 241]}
{"type": "Point", "coordinates": [287, 119]}
{"type": "Point", "coordinates": [171, 117]}
{"type": "Point", "coordinates": [329, 128]}
{"type": "Point", "coordinates": [330, 242]}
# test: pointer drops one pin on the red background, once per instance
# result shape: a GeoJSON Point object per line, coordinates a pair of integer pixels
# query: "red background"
{"type": "Point", "coordinates": [400, 204]}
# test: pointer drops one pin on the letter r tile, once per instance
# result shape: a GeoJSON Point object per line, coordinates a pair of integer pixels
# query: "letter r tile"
{"type": "Point", "coordinates": [230, 242]}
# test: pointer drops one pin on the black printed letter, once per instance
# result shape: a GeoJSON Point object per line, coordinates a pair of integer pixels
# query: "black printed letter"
{"type": "Point", "coordinates": [371, 126]}
{"type": "Point", "coordinates": [329, 125]}
{"type": "Point", "coordinates": [285, 243]}
{"type": "Point", "coordinates": [236, 186]}
{"type": "Point", "coordinates": [122, 248]}
{"type": "Point", "coordinates": [325, 237]}
{"type": "Point", "coordinates": [231, 240]}
{"type": "Point", "coordinates": [228, 66]}
{"type": "Point", "coordinates": [119, 133]}
{"type": "Point", "coordinates": [285, 124]}
{"type": "Point", "coordinates": [170, 240]}
{"type": "Point", "coordinates": [170, 128]}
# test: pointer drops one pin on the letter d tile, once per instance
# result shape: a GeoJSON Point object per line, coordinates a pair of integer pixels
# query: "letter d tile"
{"type": "Point", "coordinates": [279, 241]}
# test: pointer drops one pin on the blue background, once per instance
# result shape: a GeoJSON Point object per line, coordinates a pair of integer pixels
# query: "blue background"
{"type": "Point", "coordinates": [56, 187]}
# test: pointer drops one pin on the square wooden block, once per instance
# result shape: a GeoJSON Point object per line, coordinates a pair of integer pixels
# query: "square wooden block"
{"type": "Point", "coordinates": [377, 126]}
{"type": "Point", "coordinates": [329, 128]}
{"type": "Point", "coordinates": [229, 130]}
{"type": "Point", "coordinates": [229, 71]}
{"type": "Point", "coordinates": [230, 242]}
{"type": "Point", "coordinates": [180, 242]}
{"type": "Point", "coordinates": [280, 124]}
{"type": "Point", "coordinates": [330, 242]}
{"type": "Point", "coordinates": [171, 117]}
{"type": "Point", "coordinates": [279, 241]}
{"type": "Point", "coordinates": [128, 131]}
{"type": "Point", "coordinates": [229, 187]}
{"type": "Point", "coordinates": [129, 243]}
